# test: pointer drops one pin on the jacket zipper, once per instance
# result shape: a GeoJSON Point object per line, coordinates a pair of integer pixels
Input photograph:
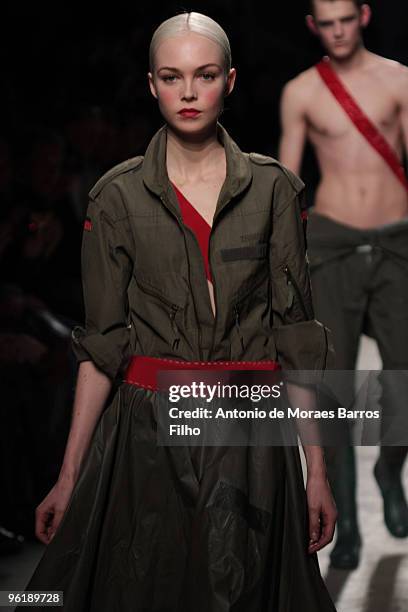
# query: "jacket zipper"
{"type": "Point", "coordinates": [200, 350]}
{"type": "Point", "coordinates": [215, 289]}
{"type": "Point", "coordinates": [172, 314]}
{"type": "Point", "coordinates": [291, 282]}
{"type": "Point", "coordinates": [237, 325]}
{"type": "Point", "coordinates": [200, 339]}
{"type": "Point", "coordinates": [157, 294]}
{"type": "Point", "coordinates": [176, 331]}
{"type": "Point", "coordinates": [236, 309]}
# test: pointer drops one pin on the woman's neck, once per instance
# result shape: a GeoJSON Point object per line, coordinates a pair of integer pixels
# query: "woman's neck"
{"type": "Point", "coordinates": [189, 159]}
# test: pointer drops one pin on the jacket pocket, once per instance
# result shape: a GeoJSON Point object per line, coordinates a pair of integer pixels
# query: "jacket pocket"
{"type": "Point", "coordinates": [173, 307]}
{"type": "Point", "coordinates": [294, 293]}
{"type": "Point", "coordinates": [242, 304]}
{"type": "Point", "coordinates": [175, 299]}
{"type": "Point", "coordinates": [251, 284]}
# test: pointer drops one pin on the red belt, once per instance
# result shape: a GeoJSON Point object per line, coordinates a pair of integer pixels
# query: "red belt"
{"type": "Point", "coordinates": [142, 371]}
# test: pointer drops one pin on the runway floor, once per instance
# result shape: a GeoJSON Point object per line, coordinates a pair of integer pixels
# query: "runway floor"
{"type": "Point", "coordinates": [380, 584]}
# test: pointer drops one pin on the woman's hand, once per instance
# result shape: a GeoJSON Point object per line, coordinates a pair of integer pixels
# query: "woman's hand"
{"type": "Point", "coordinates": [322, 512]}
{"type": "Point", "coordinates": [50, 511]}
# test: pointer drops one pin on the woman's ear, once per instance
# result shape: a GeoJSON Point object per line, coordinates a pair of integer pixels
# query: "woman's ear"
{"type": "Point", "coordinates": [230, 82]}
{"type": "Point", "coordinates": [152, 85]}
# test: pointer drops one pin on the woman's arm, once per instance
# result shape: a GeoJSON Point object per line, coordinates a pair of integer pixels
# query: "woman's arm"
{"type": "Point", "coordinates": [92, 391]}
{"type": "Point", "coordinates": [302, 343]}
{"type": "Point", "coordinates": [103, 346]}
{"type": "Point", "coordinates": [322, 510]}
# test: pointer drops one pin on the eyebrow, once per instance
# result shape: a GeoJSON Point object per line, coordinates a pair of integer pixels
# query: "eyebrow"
{"type": "Point", "coordinates": [172, 69]}
{"type": "Point", "coordinates": [323, 22]}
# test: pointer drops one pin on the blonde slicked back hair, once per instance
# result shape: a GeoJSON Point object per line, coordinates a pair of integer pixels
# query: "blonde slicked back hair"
{"type": "Point", "coordinates": [191, 22]}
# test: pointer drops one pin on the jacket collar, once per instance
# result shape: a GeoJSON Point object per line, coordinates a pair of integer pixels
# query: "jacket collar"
{"type": "Point", "coordinates": [155, 177]}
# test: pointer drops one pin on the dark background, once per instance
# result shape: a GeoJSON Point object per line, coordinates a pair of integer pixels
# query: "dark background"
{"type": "Point", "coordinates": [59, 61]}
{"type": "Point", "coordinates": [75, 102]}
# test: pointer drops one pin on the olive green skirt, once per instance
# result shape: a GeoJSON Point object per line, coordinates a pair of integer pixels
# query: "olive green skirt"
{"type": "Point", "coordinates": [154, 528]}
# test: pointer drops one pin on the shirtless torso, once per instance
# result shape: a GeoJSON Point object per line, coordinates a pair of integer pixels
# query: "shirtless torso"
{"type": "Point", "coordinates": [358, 192]}
{"type": "Point", "coordinates": [357, 188]}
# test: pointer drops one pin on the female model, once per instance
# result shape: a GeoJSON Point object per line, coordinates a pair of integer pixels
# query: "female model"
{"type": "Point", "coordinates": [193, 254]}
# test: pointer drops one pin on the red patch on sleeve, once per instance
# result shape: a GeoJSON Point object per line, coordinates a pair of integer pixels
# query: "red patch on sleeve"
{"type": "Point", "coordinates": [87, 224]}
{"type": "Point", "coordinates": [304, 215]}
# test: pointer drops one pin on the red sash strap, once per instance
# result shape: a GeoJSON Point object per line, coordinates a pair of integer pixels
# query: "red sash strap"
{"type": "Point", "coordinates": [200, 227]}
{"type": "Point", "coordinates": [142, 370]}
{"type": "Point", "coordinates": [360, 119]}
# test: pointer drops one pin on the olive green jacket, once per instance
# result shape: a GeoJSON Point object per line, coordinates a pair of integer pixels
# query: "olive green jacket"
{"type": "Point", "coordinates": [144, 281]}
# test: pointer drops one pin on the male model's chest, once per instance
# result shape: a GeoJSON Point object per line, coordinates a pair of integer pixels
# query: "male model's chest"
{"type": "Point", "coordinates": [327, 119]}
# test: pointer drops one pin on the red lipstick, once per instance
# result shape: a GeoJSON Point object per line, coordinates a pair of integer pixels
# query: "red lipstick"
{"type": "Point", "coordinates": [189, 113]}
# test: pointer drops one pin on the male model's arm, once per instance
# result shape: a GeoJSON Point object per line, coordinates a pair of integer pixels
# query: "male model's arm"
{"type": "Point", "coordinates": [293, 126]}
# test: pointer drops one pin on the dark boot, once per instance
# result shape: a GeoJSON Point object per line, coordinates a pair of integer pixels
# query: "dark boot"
{"type": "Point", "coordinates": [342, 477]}
{"type": "Point", "coordinates": [387, 472]}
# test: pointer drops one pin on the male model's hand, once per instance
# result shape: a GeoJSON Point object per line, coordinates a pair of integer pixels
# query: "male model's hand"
{"type": "Point", "coordinates": [322, 513]}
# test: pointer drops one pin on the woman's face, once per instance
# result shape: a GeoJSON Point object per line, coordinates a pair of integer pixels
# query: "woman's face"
{"type": "Point", "coordinates": [189, 82]}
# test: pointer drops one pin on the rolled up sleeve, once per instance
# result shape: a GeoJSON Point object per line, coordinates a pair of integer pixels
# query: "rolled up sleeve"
{"type": "Point", "coordinates": [302, 342]}
{"type": "Point", "coordinates": [106, 272]}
